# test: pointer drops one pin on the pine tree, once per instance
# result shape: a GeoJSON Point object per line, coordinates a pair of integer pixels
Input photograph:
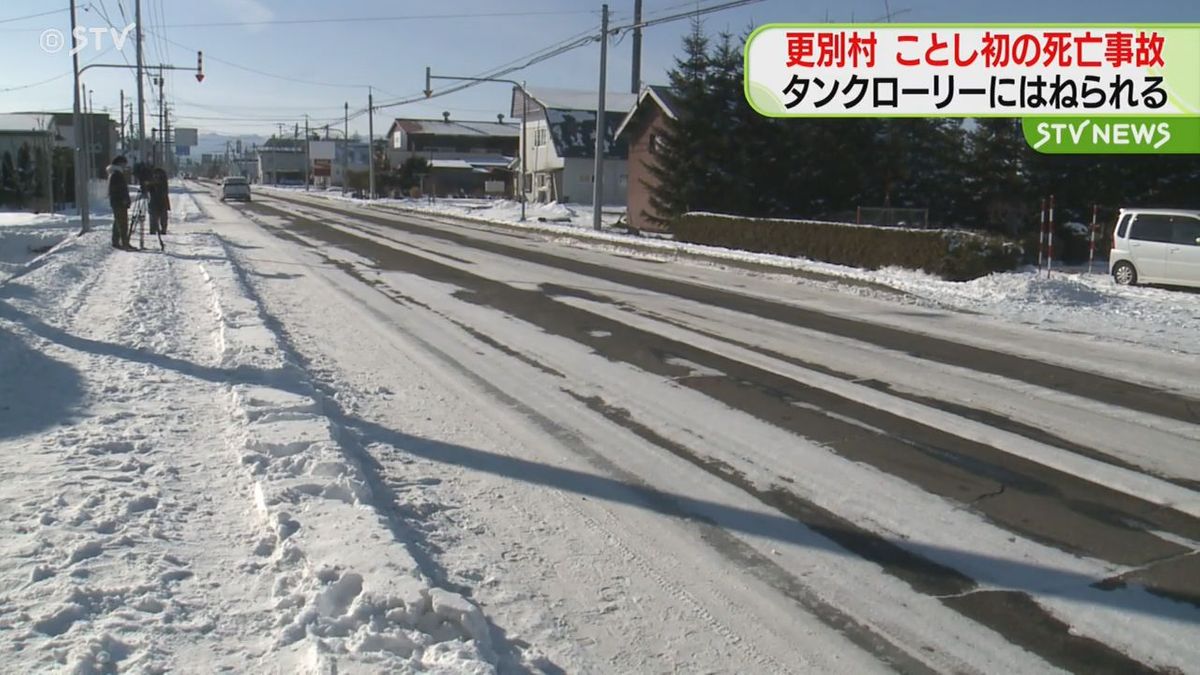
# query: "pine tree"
{"type": "Point", "coordinates": [25, 174]}
{"type": "Point", "coordinates": [8, 179]}
{"type": "Point", "coordinates": [41, 168]}
{"type": "Point", "coordinates": [997, 177]}
{"type": "Point", "coordinates": [682, 164]}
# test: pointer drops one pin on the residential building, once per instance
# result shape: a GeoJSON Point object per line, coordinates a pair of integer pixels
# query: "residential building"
{"type": "Point", "coordinates": [42, 132]}
{"type": "Point", "coordinates": [26, 143]}
{"type": "Point", "coordinates": [642, 130]}
{"type": "Point", "coordinates": [560, 143]}
{"type": "Point", "coordinates": [467, 157]}
{"type": "Point", "coordinates": [280, 162]}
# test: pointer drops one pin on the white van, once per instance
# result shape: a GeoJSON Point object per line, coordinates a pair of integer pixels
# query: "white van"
{"type": "Point", "coordinates": [1156, 246]}
{"type": "Point", "coordinates": [235, 187]}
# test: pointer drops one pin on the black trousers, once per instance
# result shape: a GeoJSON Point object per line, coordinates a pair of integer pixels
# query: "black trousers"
{"type": "Point", "coordinates": [120, 228]}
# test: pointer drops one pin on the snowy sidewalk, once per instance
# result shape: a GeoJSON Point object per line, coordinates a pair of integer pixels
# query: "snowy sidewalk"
{"type": "Point", "coordinates": [172, 496]}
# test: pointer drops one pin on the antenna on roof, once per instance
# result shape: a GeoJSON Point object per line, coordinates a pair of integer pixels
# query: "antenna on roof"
{"type": "Point", "coordinates": [446, 115]}
{"type": "Point", "coordinates": [500, 118]}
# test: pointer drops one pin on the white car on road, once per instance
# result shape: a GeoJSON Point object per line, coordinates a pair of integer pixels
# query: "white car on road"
{"type": "Point", "coordinates": [1156, 246]}
{"type": "Point", "coordinates": [235, 187]}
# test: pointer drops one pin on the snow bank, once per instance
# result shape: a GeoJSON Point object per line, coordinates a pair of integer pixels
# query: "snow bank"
{"type": "Point", "coordinates": [347, 594]}
{"type": "Point", "coordinates": [26, 236]}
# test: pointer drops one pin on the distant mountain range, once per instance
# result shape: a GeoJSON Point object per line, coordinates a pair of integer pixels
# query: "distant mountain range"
{"type": "Point", "coordinates": [214, 143]}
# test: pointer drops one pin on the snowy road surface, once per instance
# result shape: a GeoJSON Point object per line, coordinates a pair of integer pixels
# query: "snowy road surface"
{"type": "Point", "coordinates": [318, 437]}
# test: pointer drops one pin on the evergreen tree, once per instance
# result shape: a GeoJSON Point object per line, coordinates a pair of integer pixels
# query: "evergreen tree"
{"type": "Point", "coordinates": [8, 179]}
{"type": "Point", "coordinates": [683, 160]}
{"type": "Point", "coordinates": [25, 174]}
{"type": "Point", "coordinates": [997, 179]}
{"type": "Point", "coordinates": [41, 169]}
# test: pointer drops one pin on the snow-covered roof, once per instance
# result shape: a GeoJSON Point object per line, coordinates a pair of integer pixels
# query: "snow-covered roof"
{"type": "Point", "coordinates": [21, 122]}
{"type": "Point", "coordinates": [444, 127]}
{"type": "Point", "coordinates": [449, 164]}
{"type": "Point", "coordinates": [574, 133]}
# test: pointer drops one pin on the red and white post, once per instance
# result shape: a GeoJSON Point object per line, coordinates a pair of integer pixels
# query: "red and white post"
{"type": "Point", "coordinates": [1041, 233]}
{"type": "Point", "coordinates": [1092, 241]}
{"type": "Point", "coordinates": [1050, 238]}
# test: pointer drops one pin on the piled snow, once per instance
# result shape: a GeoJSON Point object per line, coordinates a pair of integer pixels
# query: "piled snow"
{"type": "Point", "coordinates": [344, 590]}
{"type": "Point", "coordinates": [26, 236]}
{"type": "Point", "coordinates": [181, 500]}
{"type": "Point", "coordinates": [1072, 301]}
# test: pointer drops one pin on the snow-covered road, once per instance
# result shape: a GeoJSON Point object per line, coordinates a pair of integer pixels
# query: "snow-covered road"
{"type": "Point", "coordinates": [316, 436]}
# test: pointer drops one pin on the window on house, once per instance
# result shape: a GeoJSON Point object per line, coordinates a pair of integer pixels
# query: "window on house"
{"type": "Point", "coordinates": [540, 136]}
{"type": "Point", "coordinates": [585, 178]}
{"type": "Point", "coordinates": [653, 144]}
{"type": "Point", "coordinates": [528, 182]}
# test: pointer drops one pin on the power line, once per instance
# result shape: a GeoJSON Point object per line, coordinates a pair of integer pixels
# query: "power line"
{"type": "Point", "coordinates": [520, 63]}
{"type": "Point", "coordinates": [208, 55]}
{"type": "Point", "coordinates": [56, 77]}
{"type": "Point", "coordinates": [687, 15]}
{"type": "Point", "coordinates": [33, 16]}
{"type": "Point", "coordinates": [375, 19]}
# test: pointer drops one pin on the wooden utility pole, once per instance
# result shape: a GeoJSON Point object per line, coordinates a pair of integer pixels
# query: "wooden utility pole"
{"type": "Point", "coordinates": [598, 184]}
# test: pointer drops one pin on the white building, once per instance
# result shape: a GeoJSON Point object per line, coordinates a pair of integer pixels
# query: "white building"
{"type": "Point", "coordinates": [560, 141]}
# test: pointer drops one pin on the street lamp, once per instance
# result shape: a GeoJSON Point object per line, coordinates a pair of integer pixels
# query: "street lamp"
{"type": "Point", "coordinates": [429, 77]}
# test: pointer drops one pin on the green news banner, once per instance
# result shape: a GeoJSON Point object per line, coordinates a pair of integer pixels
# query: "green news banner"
{"type": "Point", "coordinates": [1078, 88]}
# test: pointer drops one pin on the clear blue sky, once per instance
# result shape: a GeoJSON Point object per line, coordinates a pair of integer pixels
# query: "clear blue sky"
{"type": "Point", "coordinates": [339, 59]}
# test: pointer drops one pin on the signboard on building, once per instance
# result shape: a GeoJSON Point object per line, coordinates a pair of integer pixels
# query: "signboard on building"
{"type": "Point", "coordinates": [322, 150]}
{"type": "Point", "coordinates": [183, 150]}
{"type": "Point", "coordinates": [187, 137]}
{"type": "Point", "coordinates": [322, 167]}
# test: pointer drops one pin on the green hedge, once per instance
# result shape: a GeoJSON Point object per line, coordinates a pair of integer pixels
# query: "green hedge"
{"type": "Point", "coordinates": [958, 255]}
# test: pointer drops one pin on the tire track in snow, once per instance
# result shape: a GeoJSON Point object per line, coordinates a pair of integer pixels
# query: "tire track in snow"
{"type": "Point", "coordinates": [489, 294]}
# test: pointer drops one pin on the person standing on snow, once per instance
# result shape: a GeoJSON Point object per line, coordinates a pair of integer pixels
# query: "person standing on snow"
{"type": "Point", "coordinates": [160, 201]}
{"type": "Point", "coordinates": [118, 199]}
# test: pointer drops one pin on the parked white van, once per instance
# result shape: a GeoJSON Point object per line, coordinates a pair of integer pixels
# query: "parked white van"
{"type": "Point", "coordinates": [1156, 246]}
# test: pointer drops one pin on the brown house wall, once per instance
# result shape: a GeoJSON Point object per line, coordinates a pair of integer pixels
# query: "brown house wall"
{"type": "Point", "coordinates": [641, 182]}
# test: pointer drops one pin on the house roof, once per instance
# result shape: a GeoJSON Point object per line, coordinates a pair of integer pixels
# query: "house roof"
{"type": "Point", "coordinates": [572, 99]}
{"type": "Point", "coordinates": [468, 128]}
{"type": "Point", "coordinates": [24, 123]}
{"type": "Point", "coordinates": [661, 96]}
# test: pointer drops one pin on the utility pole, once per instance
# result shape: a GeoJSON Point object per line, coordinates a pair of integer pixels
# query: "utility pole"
{"type": "Point", "coordinates": [121, 112]}
{"type": "Point", "coordinates": [77, 126]}
{"type": "Point", "coordinates": [598, 186]}
{"type": "Point", "coordinates": [307, 162]}
{"type": "Point", "coordinates": [86, 131]}
{"type": "Point", "coordinates": [370, 143]}
{"type": "Point", "coordinates": [346, 147]}
{"type": "Point", "coordinates": [636, 83]}
{"type": "Point", "coordinates": [161, 160]}
{"type": "Point", "coordinates": [141, 95]}
{"type": "Point", "coordinates": [169, 147]}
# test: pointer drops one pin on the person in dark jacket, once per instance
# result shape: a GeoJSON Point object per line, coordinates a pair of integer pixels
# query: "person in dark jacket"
{"type": "Point", "coordinates": [118, 199]}
{"type": "Point", "coordinates": [160, 201]}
